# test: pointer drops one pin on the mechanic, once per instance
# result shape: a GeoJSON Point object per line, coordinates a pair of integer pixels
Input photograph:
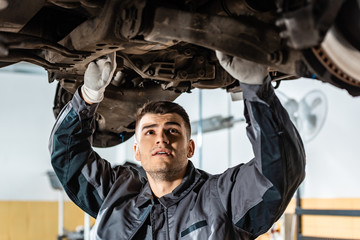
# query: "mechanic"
{"type": "Point", "coordinates": [175, 200]}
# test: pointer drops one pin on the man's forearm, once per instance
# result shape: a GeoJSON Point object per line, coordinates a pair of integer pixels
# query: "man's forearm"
{"type": "Point", "coordinates": [87, 101]}
{"type": "Point", "coordinates": [71, 153]}
{"type": "Point", "coordinates": [273, 176]}
{"type": "Point", "coordinates": [276, 141]}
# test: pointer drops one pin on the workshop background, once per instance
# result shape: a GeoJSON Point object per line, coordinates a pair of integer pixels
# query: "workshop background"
{"type": "Point", "coordinates": [29, 203]}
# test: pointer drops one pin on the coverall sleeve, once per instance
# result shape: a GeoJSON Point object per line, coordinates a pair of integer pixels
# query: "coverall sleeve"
{"type": "Point", "coordinates": [256, 194]}
{"type": "Point", "coordinates": [85, 176]}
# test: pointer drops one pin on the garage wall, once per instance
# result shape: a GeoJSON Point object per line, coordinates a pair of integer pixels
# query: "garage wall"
{"type": "Point", "coordinates": [26, 121]}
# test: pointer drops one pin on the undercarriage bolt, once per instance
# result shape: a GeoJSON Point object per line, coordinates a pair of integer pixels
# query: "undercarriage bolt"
{"type": "Point", "coordinates": [201, 73]}
{"type": "Point", "coordinates": [183, 74]}
{"type": "Point", "coordinates": [201, 59]}
{"type": "Point", "coordinates": [275, 57]}
{"type": "Point", "coordinates": [188, 52]}
{"type": "Point", "coordinates": [151, 72]}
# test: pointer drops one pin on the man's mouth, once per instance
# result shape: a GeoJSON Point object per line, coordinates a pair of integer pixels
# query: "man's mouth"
{"type": "Point", "coordinates": [164, 152]}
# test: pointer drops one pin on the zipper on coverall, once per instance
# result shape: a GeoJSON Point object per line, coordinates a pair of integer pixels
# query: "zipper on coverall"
{"type": "Point", "coordinates": [167, 224]}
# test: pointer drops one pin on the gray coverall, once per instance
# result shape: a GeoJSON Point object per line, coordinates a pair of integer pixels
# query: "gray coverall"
{"type": "Point", "coordinates": [241, 203]}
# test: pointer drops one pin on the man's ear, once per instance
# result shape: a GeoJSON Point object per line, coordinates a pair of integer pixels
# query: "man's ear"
{"type": "Point", "coordinates": [191, 148]}
{"type": "Point", "coordinates": [136, 152]}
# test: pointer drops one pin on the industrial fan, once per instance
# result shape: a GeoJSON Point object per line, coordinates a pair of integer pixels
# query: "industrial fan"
{"type": "Point", "coordinates": [308, 114]}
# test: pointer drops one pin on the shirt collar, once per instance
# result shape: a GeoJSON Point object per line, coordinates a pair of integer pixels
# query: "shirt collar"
{"type": "Point", "coordinates": [190, 179]}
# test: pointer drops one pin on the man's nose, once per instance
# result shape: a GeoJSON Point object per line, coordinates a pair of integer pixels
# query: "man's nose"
{"type": "Point", "coordinates": [162, 138]}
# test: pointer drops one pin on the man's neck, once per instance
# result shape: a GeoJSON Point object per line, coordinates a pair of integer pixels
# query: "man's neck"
{"type": "Point", "coordinates": [162, 187]}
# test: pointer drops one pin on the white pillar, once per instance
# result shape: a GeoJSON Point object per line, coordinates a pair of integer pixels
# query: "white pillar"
{"type": "Point", "coordinates": [86, 226]}
{"type": "Point", "coordinates": [61, 214]}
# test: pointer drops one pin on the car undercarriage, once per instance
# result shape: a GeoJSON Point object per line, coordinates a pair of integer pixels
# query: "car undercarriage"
{"type": "Point", "coordinates": [166, 48]}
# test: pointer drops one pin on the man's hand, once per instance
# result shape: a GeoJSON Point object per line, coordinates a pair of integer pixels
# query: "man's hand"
{"type": "Point", "coordinates": [97, 77]}
{"type": "Point", "coordinates": [241, 69]}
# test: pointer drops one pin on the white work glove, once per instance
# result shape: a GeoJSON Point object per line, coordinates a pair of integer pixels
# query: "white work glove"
{"type": "Point", "coordinates": [243, 70]}
{"type": "Point", "coordinates": [97, 77]}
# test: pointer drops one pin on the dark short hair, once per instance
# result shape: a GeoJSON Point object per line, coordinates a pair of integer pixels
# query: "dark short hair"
{"type": "Point", "coordinates": [164, 107]}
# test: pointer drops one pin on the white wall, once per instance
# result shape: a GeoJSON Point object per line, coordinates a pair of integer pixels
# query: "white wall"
{"type": "Point", "coordinates": [25, 124]}
{"type": "Point", "coordinates": [333, 159]}
{"type": "Point", "coordinates": [26, 120]}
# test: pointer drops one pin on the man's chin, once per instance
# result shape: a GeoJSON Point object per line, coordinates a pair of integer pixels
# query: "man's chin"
{"type": "Point", "coordinates": [163, 158]}
{"type": "Point", "coordinates": [164, 174]}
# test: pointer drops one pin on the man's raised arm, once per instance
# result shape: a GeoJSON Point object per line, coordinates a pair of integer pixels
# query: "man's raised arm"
{"type": "Point", "coordinates": [257, 193]}
{"type": "Point", "coordinates": [85, 176]}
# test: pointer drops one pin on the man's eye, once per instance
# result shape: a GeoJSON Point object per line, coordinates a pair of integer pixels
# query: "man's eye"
{"type": "Point", "coordinates": [173, 130]}
{"type": "Point", "coordinates": [149, 132]}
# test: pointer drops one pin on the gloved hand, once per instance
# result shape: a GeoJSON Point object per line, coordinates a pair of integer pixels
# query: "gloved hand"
{"type": "Point", "coordinates": [97, 77]}
{"type": "Point", "coordinates": [243, 70]}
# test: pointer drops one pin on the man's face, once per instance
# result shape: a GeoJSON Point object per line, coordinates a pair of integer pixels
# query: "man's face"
{"type": "Point", "coordinates": [163, 146]}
